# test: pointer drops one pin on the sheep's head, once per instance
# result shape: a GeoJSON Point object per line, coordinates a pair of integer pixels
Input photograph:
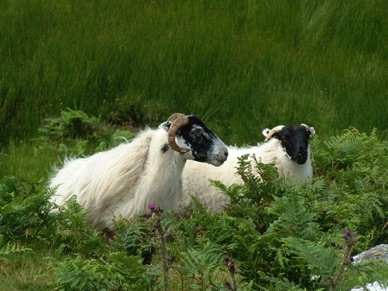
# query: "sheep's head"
{"type": "Point", "coordinates": [294, 140]}
{"type": "Point", "coordinates": [189, 136]}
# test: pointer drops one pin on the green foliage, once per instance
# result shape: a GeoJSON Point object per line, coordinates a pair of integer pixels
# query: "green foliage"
{"type": "Point", "coordinates": [28, 269]}
{"type": "Point", "coordinates": [77, 133]}
{"type": "Point", "coordinates": [353, 149]}
{"type": "Point", "coordinates": [355, 167]}
{"type": "Point", "coordinates": [299, 224]}
{"type": "Point", "coordinates": [202, 265]}
{"type": "Point", "coordinates": [73, 128]}
{"type": "Point", "coordinates": [317, 257]}
{"type": "Point", "coordinates": [71, 124]}
{"type": "Point", "coordinates": [24, 210]}
{"type": "Point", "coordinates": [133, 237]}
{"type": "Point", "coordinates": [74, 234]}
{"type": "Point", "coordinates": [118, 137]}
{"type": "Point", "coordinates": [11, 248]}
{"type": "Point", "coordinates": [126, 111]}
{"type": "Point", "coordinates": [280, 233]}
{"type": "Point", "coordinates": [365, 273]}
{"type": "Point", "coordinates": [293, 217]}
{"type": "Point", "coordinates": [256, 191]}
{"type": "Point", "coordinates": [26, 214]}
{"type": "Point", "coordinates": [117, 272]}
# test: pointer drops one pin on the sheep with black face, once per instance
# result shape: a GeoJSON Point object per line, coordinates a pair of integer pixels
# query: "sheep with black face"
{"type": "Point", "coordinates": [128, 178]}
{"type": "Point", "coordinates": [287, 147]}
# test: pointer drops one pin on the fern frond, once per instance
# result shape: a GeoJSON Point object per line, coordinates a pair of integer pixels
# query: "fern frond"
{"type": "Point", "coordinates": [293, 217]}
{"type": "Point", "coordinates": [12, 248]}
{"type": "Point", "coordinates": [320, 259]}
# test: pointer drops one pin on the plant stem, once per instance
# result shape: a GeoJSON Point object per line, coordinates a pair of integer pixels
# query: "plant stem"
{"type": "Point", "coordinates": [350, 241]}
{"type": "Point", "coordinates": [164, 257]}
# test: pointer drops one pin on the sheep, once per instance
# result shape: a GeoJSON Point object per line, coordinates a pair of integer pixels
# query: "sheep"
{"type": "Point", "coordinates": [128, 178]}
{"type": "Point", "coordinates": [286, 146]}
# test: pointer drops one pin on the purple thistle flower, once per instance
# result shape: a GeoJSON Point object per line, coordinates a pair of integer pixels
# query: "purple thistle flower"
{"type": "Point", "coordinates": [349, 236]}
{"type": "Point", "coordinates": [155, 208]}
{"type": "Point", "coordinates": [147, 215]}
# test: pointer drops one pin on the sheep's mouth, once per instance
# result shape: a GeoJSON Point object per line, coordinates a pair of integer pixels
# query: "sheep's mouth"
{"type": "Point", "coordinates": [217, 162]}
{"type": "Point", "coordinates": [299, 160]}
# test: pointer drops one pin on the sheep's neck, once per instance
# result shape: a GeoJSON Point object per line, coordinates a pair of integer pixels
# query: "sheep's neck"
{"type": "Point", "coordinates": [166, 172]}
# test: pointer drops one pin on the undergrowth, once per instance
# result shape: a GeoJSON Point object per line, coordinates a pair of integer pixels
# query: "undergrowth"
{"type": "Point", "coordinates": [277, 233]}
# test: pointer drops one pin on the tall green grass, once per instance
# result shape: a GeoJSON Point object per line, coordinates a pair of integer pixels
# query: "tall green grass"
{"type": "Point", "coordinates": [240, 65]}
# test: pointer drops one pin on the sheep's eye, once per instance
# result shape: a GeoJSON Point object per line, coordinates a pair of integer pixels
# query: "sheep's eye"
{"type": "Point", "coordinates": [198, 134]}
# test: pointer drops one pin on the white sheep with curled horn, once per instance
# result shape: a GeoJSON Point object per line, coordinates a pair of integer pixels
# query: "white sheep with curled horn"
{"type": "Point", "coordinates": [287, 147]}
{"type": "Point", "coordinates": [127, 179]}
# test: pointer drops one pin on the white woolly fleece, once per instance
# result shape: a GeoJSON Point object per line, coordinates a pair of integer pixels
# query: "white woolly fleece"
{"type": "Point", "coordinates": [195, 177]}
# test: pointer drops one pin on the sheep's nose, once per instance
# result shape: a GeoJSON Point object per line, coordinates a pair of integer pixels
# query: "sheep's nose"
{"type": "Point", "coordinates": [302, 152]}
{"type": "Point", "coordinates": [300, 157]}
{"type": "Point", "coordinates": [223, 156]}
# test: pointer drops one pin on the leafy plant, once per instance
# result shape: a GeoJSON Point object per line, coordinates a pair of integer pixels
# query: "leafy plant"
{"type": "Point", "coordinates": [76, 133]}
{"type": "Point", "coordinates": [126, 111]}
{"type": "Point", "coordinates": [73, 233]}
{"type": "Point", "coordinates": [355, 167]}
{"type": "Point", "coordinates": [202, 265]}
{"type": "Point", "coordinates": [299, 224]}
{"type": "Point", "coordinates": [71, 124]}
{"type": "Point", "coordinates": [116, 272]}
{"type": "Point", "coordinates": [24, 210]}
{"type": "Point", "coordinates": [276, 234]}
{"type": "Point", "coordinates": [9, 248]}
{"type": "Point", "coordinates": [131, 236]}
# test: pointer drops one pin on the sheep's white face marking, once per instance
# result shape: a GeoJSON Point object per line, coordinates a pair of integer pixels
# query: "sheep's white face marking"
{"type": "Point", "coordinates": [203, 144]}
{"type": "Point", "coordinates": [265, 132]}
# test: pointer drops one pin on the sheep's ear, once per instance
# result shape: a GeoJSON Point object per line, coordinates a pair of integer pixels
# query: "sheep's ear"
{"type": "Point", "coordinates": [265, 132]}
{"type": "Point", "coordinates": [165, 125]}
{"type": "Point", "coordinates": [311, 130]}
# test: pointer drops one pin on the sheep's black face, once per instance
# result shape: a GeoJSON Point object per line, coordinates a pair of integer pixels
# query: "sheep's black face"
{"type": "Point", "coordinates": [204, 144]}
{"type": "Point", "coordinates": [294, 139]}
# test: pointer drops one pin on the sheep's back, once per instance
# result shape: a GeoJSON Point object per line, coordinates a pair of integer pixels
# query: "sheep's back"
{"type": "Point", "coordinates": [102, 180]}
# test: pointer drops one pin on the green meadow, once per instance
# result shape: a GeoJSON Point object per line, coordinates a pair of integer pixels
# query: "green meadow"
{"type": "Point", "coordinates": [75, 75]}
{"type": "Point", "coordinates": [240, 65]}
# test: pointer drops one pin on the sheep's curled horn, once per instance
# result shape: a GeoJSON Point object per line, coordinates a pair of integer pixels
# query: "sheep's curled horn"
{"type": "Point", "coordinates": [177, 121]}
{"type": "Point", "coordinates": [268, 133]}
